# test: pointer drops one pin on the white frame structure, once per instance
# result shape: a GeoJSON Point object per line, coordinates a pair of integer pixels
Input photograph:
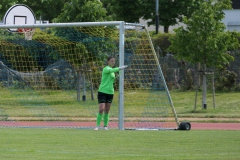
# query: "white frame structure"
{"type": "Point", "coordinates": [121, 25]}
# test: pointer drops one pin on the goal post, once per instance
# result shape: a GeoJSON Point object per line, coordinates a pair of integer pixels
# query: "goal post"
{"type": "Point", "coordinates": [121, 78]}
{"type": "Point", "coordinates": [44, 77]}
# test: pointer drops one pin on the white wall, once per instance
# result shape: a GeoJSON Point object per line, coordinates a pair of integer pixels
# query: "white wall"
{"type": "Point", "coordinates": [160, 29]}
{"type": "Point", "coordinates": [232, 19]}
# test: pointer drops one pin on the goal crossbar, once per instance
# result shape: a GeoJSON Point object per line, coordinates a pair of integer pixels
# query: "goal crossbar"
{"type": "Point", "coordinates": [73, 24]}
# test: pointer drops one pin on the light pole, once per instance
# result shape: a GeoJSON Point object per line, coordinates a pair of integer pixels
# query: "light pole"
{"type": "Point", "coordinates": [157, 16]}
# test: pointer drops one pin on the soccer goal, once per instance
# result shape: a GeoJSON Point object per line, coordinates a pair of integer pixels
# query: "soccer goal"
{"type": "Point", "coordinates": [51, 78]}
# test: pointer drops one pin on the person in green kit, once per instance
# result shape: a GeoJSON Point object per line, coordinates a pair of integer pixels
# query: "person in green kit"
{"type": "Point", "coordinates": [106, 92]}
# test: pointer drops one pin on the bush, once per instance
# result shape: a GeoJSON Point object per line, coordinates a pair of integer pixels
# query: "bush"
{"type": "Point", "coordinates": [162, 40]}
{"type": "Point", "coordinates": [226, 80]}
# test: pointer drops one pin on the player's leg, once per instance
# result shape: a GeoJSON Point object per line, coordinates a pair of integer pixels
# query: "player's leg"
{"type": "Point", "coordinates": [106, 111]}
{"type": "Point", "coordinates": [101, 101]}
{"type": "Point", "coordinates": [106, 114]}
{"type": "Point", "coordinates": [100, 113]}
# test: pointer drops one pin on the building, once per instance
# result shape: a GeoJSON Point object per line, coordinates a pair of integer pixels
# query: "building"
{"type": "Point", "coordinates": [232, 17]}
{"type": "Point", "coordinates": [232, 20]}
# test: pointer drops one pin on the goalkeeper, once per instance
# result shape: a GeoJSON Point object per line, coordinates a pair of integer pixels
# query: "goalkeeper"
{"type": "Point", "coordinates": [106, 92]}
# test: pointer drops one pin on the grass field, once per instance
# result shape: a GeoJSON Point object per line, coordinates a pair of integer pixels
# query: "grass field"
{"type": "Point", "coordinates": [73, 144]}
{"type": "Point", "coordinates": [63, 103]}
{"type": "Point", "coordinates": [227, 104]}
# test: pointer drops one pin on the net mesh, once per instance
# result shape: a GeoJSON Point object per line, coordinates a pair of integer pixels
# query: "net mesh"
{"type": "Point", "coordinates": [52, 80]}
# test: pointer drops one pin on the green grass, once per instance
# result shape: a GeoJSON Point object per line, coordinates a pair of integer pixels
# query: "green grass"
{"type": "Point", "coordinates": [57, 103]}
{"type": "Point", "coordinates": [73, 144]}
{"type": "Point", "coordinates": [227, 105]}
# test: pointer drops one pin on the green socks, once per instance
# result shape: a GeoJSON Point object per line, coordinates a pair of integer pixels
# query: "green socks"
{"type": "Point", "coordinates": [99, 119]}
{"type": "Point", "coordinates": [105, 118]}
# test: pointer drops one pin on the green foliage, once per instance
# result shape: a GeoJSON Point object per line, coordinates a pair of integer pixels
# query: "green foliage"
{"type": "Point", "coordinates": [226, 80]}
{"type": "Point", "coordinates": [80, 47]}
{"type": "Point", "coordinates": [82, 11]}
{"type": "Point", "coordinates": [44, 9]}
{"type": "Point", "coordinates": [162, 40]}
{"type": "Point", "coordinates": [5, 5]}
{"type": "Point", "coordinates": [132, 11]}
{"type": "Point", "coordinates": [124, 10]}
{"type": "Point", "coordinates": [172, 12]}
{"type": "Point", "coordinates": [61, 11]}
{"type": "Point", "coordinates": [12, 49]}
{"type": "Point", "coordinates": [204, 39]}
{"type": "Point", "coordinates": [52, 43]}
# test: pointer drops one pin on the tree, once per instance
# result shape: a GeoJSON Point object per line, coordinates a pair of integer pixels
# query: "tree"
{"type": "Point", "coordinates": [61, 11]}
{"type": "Point", "coordinates": [125, 10]}
{"type": "Point", "coordinates": [5, 5]}
{"type": "Point", "coordinates": [44, 9]}
{"type": "Point", "coordinates": [170, 11]}
{"type": "Point", "coordinates": [82, 11]}
{"type": "Point", "coordinates": [204, 40]}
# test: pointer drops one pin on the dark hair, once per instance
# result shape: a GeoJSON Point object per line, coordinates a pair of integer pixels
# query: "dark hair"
{"type": "Point", "coordinates": [110, 57]}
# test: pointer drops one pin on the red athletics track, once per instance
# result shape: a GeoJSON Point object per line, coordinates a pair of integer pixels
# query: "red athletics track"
{"type": "Point", "coordinates": [68, 124]}
{"type": "Point", "coordinates": [215, 126]}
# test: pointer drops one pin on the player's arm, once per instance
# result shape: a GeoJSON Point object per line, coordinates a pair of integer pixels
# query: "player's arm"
{"type": "Point", "coordinates": [123, 67]}
{"type": "Point", "coordinates": [111, 70]}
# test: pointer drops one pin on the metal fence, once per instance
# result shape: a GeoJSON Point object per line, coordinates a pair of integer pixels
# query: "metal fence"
{"type": "Point", "coordinates": [184, 75]}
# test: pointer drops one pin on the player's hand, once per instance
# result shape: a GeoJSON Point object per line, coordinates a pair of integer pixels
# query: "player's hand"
{"type": "Point", "coordinates": [123, 67]}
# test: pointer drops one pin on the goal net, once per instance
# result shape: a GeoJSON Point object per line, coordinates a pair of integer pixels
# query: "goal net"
{"type": "Point", "coordinates": [52, 79]}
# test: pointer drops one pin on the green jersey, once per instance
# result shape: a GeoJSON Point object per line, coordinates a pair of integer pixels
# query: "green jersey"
{"type": "Point", "coordinates": [108, 79]}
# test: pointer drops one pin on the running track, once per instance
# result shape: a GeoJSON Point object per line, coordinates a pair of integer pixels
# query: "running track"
{"type": "Point", "coordinates": [29, 124]}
